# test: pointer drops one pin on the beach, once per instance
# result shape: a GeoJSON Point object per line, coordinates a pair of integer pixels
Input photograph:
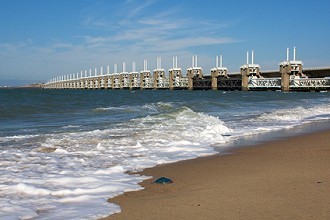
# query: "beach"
{"type": "Point", "coordinates": [282, 179]}
{"type": "Point", "coordinates": [64, 153]}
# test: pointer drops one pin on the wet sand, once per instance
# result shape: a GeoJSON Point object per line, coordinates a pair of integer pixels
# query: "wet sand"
{"type": "Point", "coordinates": [285, 179]}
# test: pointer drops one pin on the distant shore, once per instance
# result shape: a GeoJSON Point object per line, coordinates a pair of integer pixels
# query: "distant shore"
{"type": "Point", "coordinates": [28, 86]}
{"type": "Point", "coordinates": [282, 179]}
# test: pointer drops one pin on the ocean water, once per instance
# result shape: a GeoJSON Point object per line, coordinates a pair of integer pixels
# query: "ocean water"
{"type": "Point", "coordinates": [65, 152]}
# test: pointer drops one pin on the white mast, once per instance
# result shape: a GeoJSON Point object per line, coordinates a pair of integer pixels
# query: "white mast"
{"type": "Point", "coordinates": [124, 67]}
{"type": "Point", "coordinates": [220, 60]}
{"type": "Point", "coordinates": [287, 54]}
{"type": "Point", "coordinates": [176, 62]}
{"type": "Point", "coordinates": [115, 67]}
{"type": "Point", "coordinates": [145, 65]}
{"type": "Point", "coordinates": [252, 57]}
{"type": "Point", "coordinates": [159, 62]}
{"type": "Point", "coordinates": [294, 53]}
{"type": "Point", "coordinates": [133, 67]}
{"type": "Point", "coordinates": [247, 57]}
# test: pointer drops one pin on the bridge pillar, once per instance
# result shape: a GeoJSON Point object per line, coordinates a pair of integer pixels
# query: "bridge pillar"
{"type": "Point", "coordinates": [285, 70]}
{"type": "Point", "coordinates": [174, 75]}
{"type": "Point", "coordinates": [218, 71]}
{"type": "Point", "coordinates": [159, 75]}
{"type": "Point", "coordinates": [193, 73]}
{"type": "Point", "coordinates": [111, 81]}
{"type": "Point", "coordinates": [190, 76]}
{"type": "Point", "coordinates": [124, 78]}
{"type": "Point", "coordinates": [214, 75]}
{"type": "Point", "coordinates": [145, 76]}
{"type": "Point", "coordinates": [133, 77]}
{"type": "Point", "coordinates": [145, 79]}
{"type": "Point", "coordinates": [156, 75]}
{"type": "Point", "coordinates": [249, 70]}
{"type": "Point", "coordinates": [142, 80]}
{"type": "Point", "coordinates": [290, 69]}
{"type": "Point", "coordinates": [159, 78]}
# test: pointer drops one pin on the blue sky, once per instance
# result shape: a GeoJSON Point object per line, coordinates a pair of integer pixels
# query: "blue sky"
{"type": "Point", "coordinates": [40, 39]}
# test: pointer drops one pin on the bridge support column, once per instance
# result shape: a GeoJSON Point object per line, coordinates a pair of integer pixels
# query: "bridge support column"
{"type": "Point", "coordinates": [245, 79]}
{"type": "Point", "coordinates": [174, 73]}
{"type": "Point", "coordinates": [194, 72]}
{"type": "Point", "coordinates": [288, 69]}
{"type": "Point", "coordinates": [190, 75]}
{"type": "Point", "coordinates": [156, 74]}
{"type": "Point", "coordinates": [285, 71]}
{"type": "Point", "coordinates": [171, 79]}
{"type": "Point", "coordinates": [113, 79]}
{"type": "Point", "coordinates": [249, 70]}
{"type": "Point", "coordinates": [141, 80]}
{"type": "Point", "coordinates": [218, 71]}
{"type": "Point", "coordinates": [214, 80]}
{"type": "Point", "coordinates": [130, 81]}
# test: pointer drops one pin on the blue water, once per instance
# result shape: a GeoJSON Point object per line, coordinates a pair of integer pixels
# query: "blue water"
{"type": "Point", "coordinates": [70, 150]}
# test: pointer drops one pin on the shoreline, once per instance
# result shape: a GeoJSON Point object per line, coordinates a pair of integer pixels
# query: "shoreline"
{"type": "Point", "coordinates": [280, 179]}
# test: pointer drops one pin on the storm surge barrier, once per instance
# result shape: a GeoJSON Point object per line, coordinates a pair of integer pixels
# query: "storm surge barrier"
{"type": "Point", "coordinates": [290, 77]}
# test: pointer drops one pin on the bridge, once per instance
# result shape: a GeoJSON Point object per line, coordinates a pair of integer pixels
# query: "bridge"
{"type": "Point", "coordinates": [290, 76]}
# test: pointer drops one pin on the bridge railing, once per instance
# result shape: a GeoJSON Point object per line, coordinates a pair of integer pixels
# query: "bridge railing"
{"type": "Point", "coordinates": [181, 82]}
{"type": "Point", "coordinates": [229, 83]}
{"type": "Point", "coordinates": [310, 83]}
{"type": "Point", "coordinates": [264, 83]}
{"type": "Point", "coordinates": [163, 83]}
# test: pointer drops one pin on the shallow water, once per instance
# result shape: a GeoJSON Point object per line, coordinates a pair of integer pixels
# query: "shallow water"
{"type": "Point", "coordinates": [70, 150]}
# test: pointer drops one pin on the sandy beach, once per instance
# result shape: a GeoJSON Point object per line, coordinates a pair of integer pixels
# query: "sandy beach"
{"type": "Point", "coordinates": [284, 179]}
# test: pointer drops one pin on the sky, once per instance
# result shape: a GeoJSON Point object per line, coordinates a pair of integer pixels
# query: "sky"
{"type": "Point", "coordinates": [41, 39]}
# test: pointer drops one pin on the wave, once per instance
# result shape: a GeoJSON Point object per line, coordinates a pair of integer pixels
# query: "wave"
{"type": "Point", "coordinates": [92, 159]}
{"type": "Point", "coordinates": [70, 169]}
{"type": "Point", "coordinates": [258, 122]}
{"type": "Point", "coordinates": [151, 108]}
{"type": "Point", "coordinates": [298, 114]}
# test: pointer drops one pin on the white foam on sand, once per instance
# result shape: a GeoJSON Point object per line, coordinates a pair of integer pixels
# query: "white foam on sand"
{"type": "Point", "coordinates": [279, 119]}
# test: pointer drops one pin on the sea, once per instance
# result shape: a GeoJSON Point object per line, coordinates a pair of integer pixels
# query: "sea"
{"type": "Point", "coordinates": [65, 152]}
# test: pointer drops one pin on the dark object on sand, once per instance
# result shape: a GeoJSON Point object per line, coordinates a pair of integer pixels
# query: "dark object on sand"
{"type": "Point", "coordinates": [163, 180]}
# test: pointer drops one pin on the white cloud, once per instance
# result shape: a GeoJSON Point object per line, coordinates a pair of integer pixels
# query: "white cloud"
{"type": "Point", "coordinates": [127, 35]}
{"type": "Point", "coordinates": [135, 11]}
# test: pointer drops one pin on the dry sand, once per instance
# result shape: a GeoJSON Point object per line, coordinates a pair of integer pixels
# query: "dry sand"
{"type": "Point", "coordinates": [286, 179]}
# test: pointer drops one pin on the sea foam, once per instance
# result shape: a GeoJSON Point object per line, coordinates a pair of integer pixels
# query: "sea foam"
{"type": "Point", "coordinates": [88, 167]}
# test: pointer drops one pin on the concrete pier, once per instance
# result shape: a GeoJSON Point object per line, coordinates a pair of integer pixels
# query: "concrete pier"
{"type": "Point", "coordinates": [290, 69]}
{"type": "Point", "coordinates": [249, 70]}
{"type": "Point", "coordinates": [175, 76]}
{"type": "Point", "coordinates": [218, 71]}
{"type": "Point", "coordinates": [146, 82]}
{"type": "Point", "coordinates": [194, 72]}
{"type": "Point", "coordinates": [134, 78]}
{"type": "Point", "coordinates": [159, 79]}
{"type": "Point", "coordinates": [124, 78]}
